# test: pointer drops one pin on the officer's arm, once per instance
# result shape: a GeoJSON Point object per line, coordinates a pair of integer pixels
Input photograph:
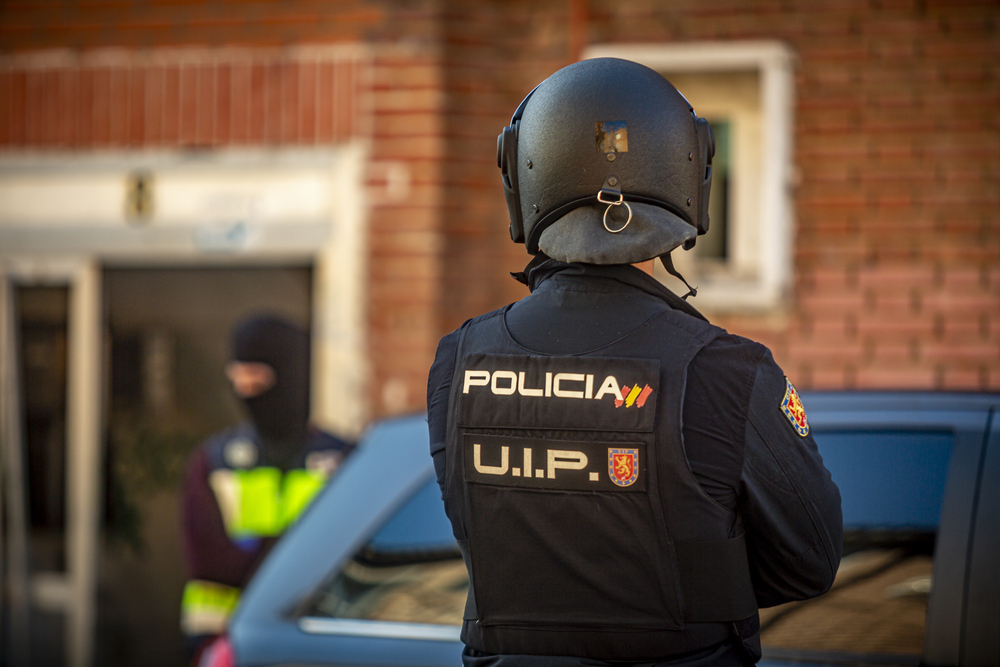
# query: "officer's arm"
{"type": "Point", "coordinates": [438, 389]}
{"type": "Point", "coordinates": [790, 505]}
{"type": "Point", "coordinates": [211, 555]}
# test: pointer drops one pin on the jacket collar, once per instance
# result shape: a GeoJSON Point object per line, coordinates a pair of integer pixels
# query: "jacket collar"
{"type": "Point", "coordinates": [551, 273]}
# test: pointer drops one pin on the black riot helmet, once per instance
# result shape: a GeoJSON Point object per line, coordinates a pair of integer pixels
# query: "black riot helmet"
{"type": "Point", "coordinates": [281, 413]}
{"type": "Point", "coordinates": [605, 162]}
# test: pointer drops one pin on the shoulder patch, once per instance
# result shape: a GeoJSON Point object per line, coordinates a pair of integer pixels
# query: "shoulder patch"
{"type": "Point", "coordinates": [791, 405]}
{"type": "Point", "coordinates": [240, 452]}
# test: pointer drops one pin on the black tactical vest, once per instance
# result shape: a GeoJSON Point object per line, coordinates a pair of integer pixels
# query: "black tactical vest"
{"type": "Point", "coordinates": [584, 530]}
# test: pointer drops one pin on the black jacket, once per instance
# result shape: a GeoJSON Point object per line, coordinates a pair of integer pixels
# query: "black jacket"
{"type": "Point", "coordinates": [743, 449]}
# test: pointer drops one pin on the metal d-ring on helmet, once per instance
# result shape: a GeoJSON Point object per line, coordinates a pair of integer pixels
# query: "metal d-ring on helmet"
{"type": "Point", "coordinates": [593, 136]}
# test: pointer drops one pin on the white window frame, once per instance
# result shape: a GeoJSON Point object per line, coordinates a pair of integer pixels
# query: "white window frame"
{"type": "Point", "coordinates": [773, 61]}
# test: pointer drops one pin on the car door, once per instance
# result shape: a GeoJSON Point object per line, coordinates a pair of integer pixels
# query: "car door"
{"type": "Point", "coordinates": [370, 575]}
{"type": "Point", "coordinates": [919, 500]}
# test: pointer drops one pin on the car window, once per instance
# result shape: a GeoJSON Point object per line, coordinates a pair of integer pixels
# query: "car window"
{"type": "Point", "coordinates": [892, 485]}
{"type": "Point", "coordinates": [411, 571]}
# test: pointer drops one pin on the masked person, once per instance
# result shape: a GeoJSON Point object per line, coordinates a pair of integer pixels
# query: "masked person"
{"type": "Point", "coordinates": [247, 484]}
{"type": "Point", "coordinates": [628, 483]}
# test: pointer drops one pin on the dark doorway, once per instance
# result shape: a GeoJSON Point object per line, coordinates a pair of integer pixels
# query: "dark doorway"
{"type": "Point", "coordinates": [167, 343]}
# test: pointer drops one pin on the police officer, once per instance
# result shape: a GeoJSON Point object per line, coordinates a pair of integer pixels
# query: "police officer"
{"type": "Point", "coordinates": [628, 483]}
{"type": "Point", "coordinates": [245, 485]}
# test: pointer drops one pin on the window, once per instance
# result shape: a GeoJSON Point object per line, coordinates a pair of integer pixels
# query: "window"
{"type": "Point", "coordinates": [892, 486]}
{"type": "Point", "coordinates": [411, 571]}
{"type": "Point", "coordinates": [744, 89]}
{"type": "Point", "coordinates": [892, 482]}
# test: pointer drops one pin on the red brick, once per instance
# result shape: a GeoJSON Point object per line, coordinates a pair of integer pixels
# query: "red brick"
{"type": "Point", "coordinates": [968, 333]}
{"type": "Point", "coordinates": [966, 279]}
{"type": "Point", "coordinates": [222, 116]}
{"type": "Point", "coordinates": [427, 99]}
{"type": "Point", "coordinates": [819, 353]}
{"type": "Point", "coordinates": [118, 107]}
{"type": "Point", "coordinates": [171, 105]}
{"type": "Point", "coordinates": [993, 278]}
{"type": "Point", "coordinates": [343, 101]}
{"type": "Point", "coordinates": [879, 326]}
{"type": "Point", "coordinates": [257, 103]}
{"type": "Point", "coordinates": [205, 105]}
{"type": "Point", "coordinates": [407, 74]}
{"type": "Point", "coordinates": [134, 111]}
{"type": "Point", "coordinates": [153, 104]}
{"type": "Point", "coordinates": [895, 377]}
{"type": "Point", "coordinates": [6, 102]}
{"type": "Point", "coordinates": [962, 303]}
{"type": "Point", "coordinates": [188, 100]}
{"type": "Point", "coordinates": [400, 244]}
{"type": "Point", "coordinates": [410, 147]}
{"type": "Point", "coordinates": [34, 101]}
{"type": "Point", "coordinates": [289, 103]}
{"type": "Point", "coordinates": [324, 102]}
{"type": "Point", "coordinates": [102, 106]}
{"type": "Point", "coordinates": [240, 102]}
{"type": "Point", "coordinates": [897, 278]}
{"type": "Point", "coordinates": [54, 110]}
{"type": "Point", "coordinates": [981, 352]}
{"type": "Point", "coordinates": [826, 378]}
{"type": "Point", "coordinates": [272, 102]}
{"type": "Point", "coordinates": [889, 350]}
{"type": "Point", "coordinates": [965, 378]}
{"type": "Point", "coordinates": [306, 130]}
{"type": "Point", "coordinates": [85, 118]}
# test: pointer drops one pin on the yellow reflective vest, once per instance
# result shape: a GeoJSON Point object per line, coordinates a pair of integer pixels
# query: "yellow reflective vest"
{"type": "Point", "coordinates": [255, 501]}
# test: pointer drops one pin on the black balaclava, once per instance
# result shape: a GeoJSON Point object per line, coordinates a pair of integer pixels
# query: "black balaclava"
{"type": "Point", "coordinates": [280, 413]}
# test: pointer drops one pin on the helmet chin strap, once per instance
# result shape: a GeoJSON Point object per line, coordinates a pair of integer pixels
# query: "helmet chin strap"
{"type": "Point", "coordinates": [668, 264]}
{"type": "Point", "coordinates": [522, 276]}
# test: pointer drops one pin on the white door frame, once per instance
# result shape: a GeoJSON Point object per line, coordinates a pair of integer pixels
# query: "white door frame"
{"type": "Point", "coordinates": [63, 218]}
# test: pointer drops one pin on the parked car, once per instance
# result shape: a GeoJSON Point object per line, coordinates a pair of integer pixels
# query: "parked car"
{"type": "Point", "coordinates": [371, 574]}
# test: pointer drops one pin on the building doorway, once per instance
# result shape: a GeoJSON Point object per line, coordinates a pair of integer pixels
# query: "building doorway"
{"type": "Point", "coordinates": [124, 317]}
{"type": "Point", "coordinates": [167, 334]}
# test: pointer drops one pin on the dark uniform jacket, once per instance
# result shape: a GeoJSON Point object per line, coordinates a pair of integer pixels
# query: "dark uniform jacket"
{"type": "Point", "coordinates": [708, 460]}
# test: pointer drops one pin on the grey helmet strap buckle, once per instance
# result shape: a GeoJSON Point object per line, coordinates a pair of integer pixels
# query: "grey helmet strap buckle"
{"type": "Point", "coordinates": [668, 264]}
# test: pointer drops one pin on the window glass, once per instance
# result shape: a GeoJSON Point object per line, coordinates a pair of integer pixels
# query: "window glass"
{"type": "Point", "coordinates": [892, 486]}
{"type": "Point", "coordinates": [714, 246]}
{"type": "Point", "coordinates": [411, 571]}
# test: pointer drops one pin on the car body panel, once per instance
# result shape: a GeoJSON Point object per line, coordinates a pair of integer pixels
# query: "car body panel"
{"type": "Point", "coordinates": [885, 484]}
{"type": "Point", "coordinates": [387, 469]}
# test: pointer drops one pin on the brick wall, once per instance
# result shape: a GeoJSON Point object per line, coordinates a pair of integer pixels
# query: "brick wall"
{"type": "Point", "coordinates": [897, 149]}
{"type": "Point", "coordinates": [78, 75]}
{"type": "Point", "coordinates": [88, 24]}
{"type": "Point", "coordinates": [191, 97]}
{"type": "Point", "coordinates": [405, 229]}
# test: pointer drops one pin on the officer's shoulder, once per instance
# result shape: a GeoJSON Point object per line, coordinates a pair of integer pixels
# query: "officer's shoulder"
{"type": "Point", "coordinates": [485, 317]}
{"type": "Point", "coordinates": [730, 349]}
{"type": "Point", "coordinates": [219, 439]}
{"type": "Point", "coordinates": [214, 446]}
{"type": "Point", "coordinates": [451, 338]}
